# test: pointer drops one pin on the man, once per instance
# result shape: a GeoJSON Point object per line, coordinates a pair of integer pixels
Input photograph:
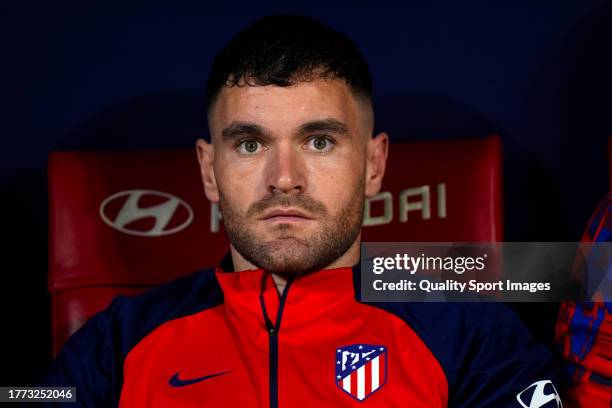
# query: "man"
{"type": "Point", "coordinates": [279, 323]}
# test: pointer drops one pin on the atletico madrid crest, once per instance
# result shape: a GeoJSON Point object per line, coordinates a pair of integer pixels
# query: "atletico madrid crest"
{"type": "Point", "coordinates": [361, 369]}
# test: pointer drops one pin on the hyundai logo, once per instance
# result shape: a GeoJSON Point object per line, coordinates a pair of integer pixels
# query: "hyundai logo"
{"type": "Point", "coordinates": [146, 213]}
{"type": "Point", "coordinates": [540, 394]}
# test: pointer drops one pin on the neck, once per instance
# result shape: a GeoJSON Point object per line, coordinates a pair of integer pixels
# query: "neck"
{"type": "Point", "coordinates": [281, 283]}
{"type": "Point", "coordinates": [348, 259]}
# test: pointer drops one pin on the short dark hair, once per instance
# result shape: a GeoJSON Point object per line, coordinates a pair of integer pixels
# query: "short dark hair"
{"type": "Point", "coordinates": [285, 49]}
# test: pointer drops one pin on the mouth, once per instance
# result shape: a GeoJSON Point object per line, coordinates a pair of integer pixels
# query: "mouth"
{"type": "Point", "coordinates": [285, 216]}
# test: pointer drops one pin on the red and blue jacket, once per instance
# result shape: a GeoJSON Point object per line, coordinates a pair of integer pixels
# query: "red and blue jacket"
{"type": "Point", "coordinates": [227, 339]}
{"type": "Point", "coordinates": [584, 332]}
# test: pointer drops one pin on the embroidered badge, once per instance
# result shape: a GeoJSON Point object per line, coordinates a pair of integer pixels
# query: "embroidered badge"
{"type": "Point", "coordinates": [361, 369]}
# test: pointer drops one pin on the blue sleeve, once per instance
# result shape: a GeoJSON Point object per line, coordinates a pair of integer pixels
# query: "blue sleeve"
{"type": "Point", "coordinates": [89, 361]}
{"type": "Point", "coordinates": [488, 356]}
{"type": "Point", "coordinates": [503, 366]}
{"type": "Point", "coordinates": [92, 359]}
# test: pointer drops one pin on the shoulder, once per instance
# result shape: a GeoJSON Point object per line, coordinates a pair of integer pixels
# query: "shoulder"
{"type": "Point", "coordinates": [449, 327]}
{"type": "Point", "coordinates": [110, 334]}
{"type": "Point", "coordinates": [444, 325]}
{"type": "Point", "coordinates": [470, 317]}
{"type": "Point", "coordinates": [132, 318]}
{"type": "Point", "coordinates": [92, 358]}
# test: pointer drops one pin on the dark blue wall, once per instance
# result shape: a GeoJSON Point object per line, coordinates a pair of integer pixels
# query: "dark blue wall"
{"type": "Point", "coordinates": [537, 72]}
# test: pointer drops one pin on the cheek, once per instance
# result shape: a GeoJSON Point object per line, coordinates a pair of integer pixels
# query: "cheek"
{"type": "Point", "coordinates": [336, 184]}
{"type": "Point", "coordinates": [238, 186]}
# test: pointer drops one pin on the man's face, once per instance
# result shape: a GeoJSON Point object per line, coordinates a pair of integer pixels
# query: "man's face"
{"type": "Point", "coordinates": [289, 167]}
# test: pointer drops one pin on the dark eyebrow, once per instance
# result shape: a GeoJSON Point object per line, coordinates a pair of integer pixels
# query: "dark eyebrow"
{"type": "Point", "coordinates": [237, 129]}
{"type": "Point", "coordinates": [329, 125]}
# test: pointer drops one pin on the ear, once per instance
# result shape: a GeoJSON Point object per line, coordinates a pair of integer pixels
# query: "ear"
{"type": "Point", "coordinates": [206, 158]}
{"type": "Point", "coordinates": [377, 150]}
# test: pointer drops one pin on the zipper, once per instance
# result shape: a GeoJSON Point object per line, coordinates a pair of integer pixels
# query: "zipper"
{"type": "Point", "coordinates": [273, 329]}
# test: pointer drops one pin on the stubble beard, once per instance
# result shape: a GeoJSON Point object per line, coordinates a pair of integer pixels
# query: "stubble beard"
{"type": "Point", "coordinates": [288, 255]}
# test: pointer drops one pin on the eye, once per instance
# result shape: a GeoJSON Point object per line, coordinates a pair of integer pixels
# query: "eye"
{"type": "Point", "coordinates": [320, 144]}
{"type": "Point", "coordinates": [248, 146]}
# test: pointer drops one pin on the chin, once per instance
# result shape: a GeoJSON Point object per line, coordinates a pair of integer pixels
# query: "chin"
{"type": "Point", "coordinates": [287, 245]}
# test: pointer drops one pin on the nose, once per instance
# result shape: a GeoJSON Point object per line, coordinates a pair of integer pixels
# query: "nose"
{"type": "Point", "coordinates": [285, 171]}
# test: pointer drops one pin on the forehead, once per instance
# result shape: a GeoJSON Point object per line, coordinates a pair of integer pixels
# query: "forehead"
{"type": "Point", "coordinates": [284, 108]}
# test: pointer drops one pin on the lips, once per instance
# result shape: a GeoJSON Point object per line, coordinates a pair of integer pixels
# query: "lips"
{"type": "Point", "coordinates": [286, 215]}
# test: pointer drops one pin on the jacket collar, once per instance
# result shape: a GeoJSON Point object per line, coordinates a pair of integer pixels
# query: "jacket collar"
{"type": "Point", "coordinates": [313, 293]}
